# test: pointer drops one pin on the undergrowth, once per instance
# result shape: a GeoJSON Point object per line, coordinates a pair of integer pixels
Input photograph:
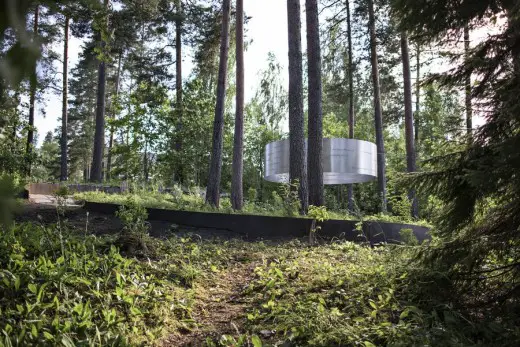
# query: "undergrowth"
{"type": "Point", "coordinates": [61, 286]}
{"type": "Point", "coordinates": [349, 295]}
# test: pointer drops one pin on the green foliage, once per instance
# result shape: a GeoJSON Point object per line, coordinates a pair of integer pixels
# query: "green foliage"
{"type": "Point", "coordinates": [319, 213]}
{"type": "Point", "coordinates": [133, 216]}
{"type": "Point", "coordinates": [251, 195]}
{"type": "Point", "coordinates": [408, 237]}
{"type": "Point", "coordinates": [290, 201]}
{"type": "Point", "coordinates": [348, 295]}
{"type": "Point", "coordinates": [10, 187]}
{"type": "Point", "coordinates": [400, 204]}
{"type": "Point", "coordinates": [84, 293]}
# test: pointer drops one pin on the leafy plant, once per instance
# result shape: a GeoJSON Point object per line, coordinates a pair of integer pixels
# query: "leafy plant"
{"type": "Point", "coordinates": [318, 214]}
{"type": "Point", "coordinates": [408, 237]}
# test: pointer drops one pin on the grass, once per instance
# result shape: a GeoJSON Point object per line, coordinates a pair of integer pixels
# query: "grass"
{"type": "Point", "coordinates": [279, 206]}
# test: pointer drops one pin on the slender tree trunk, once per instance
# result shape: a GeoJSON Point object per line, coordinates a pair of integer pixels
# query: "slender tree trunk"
{"type": "Point", "coordinates": [261, 161]}
{"type": "Point", "coordinates": [467, 86]}
{"type": "Point", "coordinates": [96, 173]}
{"type": "Point", "coordinates": [32, 100]}
{"type": "Point", "coordinates": [237, 195]}
{"type": "Point", "coordinates": [113, 115]}
{"type": "Point", "coordinates": [64, 116]}
{"type": "Point", "coordinates": [351, 109]}
{"type": "Point", "coordinates": [417, 96]}
{"type": "Point", "coordinates": [178, 82]}
{"type": "Point", "coordinates": [408, 119]}
{"type": "Point", "coordinates": [298, 162]}
{"type": "Point", "coordinates": [381, 169]}
{"type": "Point", "coordinates": [145, 162]}
{"type": "Point", "coordinates": [315, 126]}
{"type": "Point", "coordinates": [215, 169]}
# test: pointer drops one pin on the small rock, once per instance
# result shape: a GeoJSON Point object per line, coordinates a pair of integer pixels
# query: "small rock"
{"type": "Point", "coordinates": [266, 333]}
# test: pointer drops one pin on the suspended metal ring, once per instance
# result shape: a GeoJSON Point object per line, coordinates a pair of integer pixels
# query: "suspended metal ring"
{"type": "Point", "coordinates": [344, 161]}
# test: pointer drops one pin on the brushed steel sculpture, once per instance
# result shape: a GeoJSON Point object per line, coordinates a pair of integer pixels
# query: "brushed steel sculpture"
{"type": "Point", "coordinates": [344, 161]}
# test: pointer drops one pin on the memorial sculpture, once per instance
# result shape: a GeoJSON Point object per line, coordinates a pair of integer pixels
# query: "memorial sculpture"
{"type": "Point", "coordinates": [345, 161]}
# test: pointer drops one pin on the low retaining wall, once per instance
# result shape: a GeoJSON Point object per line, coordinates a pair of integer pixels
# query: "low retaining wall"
{"type": "Point", "coordinates": [254, 227]}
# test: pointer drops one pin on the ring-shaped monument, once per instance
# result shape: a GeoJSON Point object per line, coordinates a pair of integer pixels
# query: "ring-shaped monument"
{"type": "Point", "coordinates": [344, 161]}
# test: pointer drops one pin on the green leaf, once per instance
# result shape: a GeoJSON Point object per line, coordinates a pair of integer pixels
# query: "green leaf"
{"type": "Point", "coordinates": [135, 311]}
{"type": "Point", "coordinates": [48, 335]}
{"type": "Point", "coordinates": [373, 304]}
{"type": "Point", "coordinates": [67, 341]}
{"type": "Point", "coordinates": [255, 340]}
{"type": "Point", "coordinates": [19, 308]}
{"type": "Point", "coordinates": [34, 331]}
{"type": "Point", "coordinates": [368, 344]}
{"type": "Point", "coordinates": [33, 288]}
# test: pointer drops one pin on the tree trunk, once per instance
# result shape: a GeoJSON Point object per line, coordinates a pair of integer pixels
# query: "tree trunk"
{"type": "Point", "coordinates": [297, 163]}
{"type": "Point", "coordinates": [351, 109]}
{"type": "Point", "coordinates": [381, 169]}
{"type": "Point", "coordinates": [315, 126]}
{"type": "Point", "coordinates": [145, 162]}
{"type": "Point", "coordinates": [64, 116]}
{"type": "Point", "coordinates": [32, 100]}
{"type": "Point", "coordinates": [178, 77]}
{"type": "Point", "coordinates": [215, 169]}
{"type": "Point", "coordinates": [408, 119]}
{"type": "Point", "coordinates": [113, 115]}
{"type": "Point", "coordinates": [96, 173]}
{"type": "Point", "coordinates": [237, 195]}
{"type": "Point", "coordinates": [467, 86]}
{"type": "Point", "coordinates": [417, 97]}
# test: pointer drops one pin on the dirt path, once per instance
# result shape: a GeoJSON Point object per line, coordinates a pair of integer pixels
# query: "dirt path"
{"type": "Point", "coordinates": [220, 308]}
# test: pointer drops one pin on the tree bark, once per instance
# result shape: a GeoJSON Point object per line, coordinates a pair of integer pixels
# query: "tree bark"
{"type": "Point", "coordinates": [64, 116]}
{"type": "Point", "coordinates": [178, 77]}
{"type": "Point", "coordinates": [351, 109]}
{"type": "Point", "coordinates": [237, 195]}
{"type": "Point", "coordinates": [381, 169]}
{"type": "Point", "coordinates": [408, 119]}
{"type": "Point", "coordinates": [315, 126]}
{"type": "Point", "coordinates": [96, 173]}
{"type": "Point", "coordinates": [298, 162]}
{"type": "Point", "coordinates": [417, 96]}
{"type": "Point", "coordinates": [145, 162]}
{"type": "Point", "coordinates": [32, 100]}
{"type": "Point", "coordinates": [467, 87]}
{"type": "Point", "coordinates": [113, 115]}
{"type": "Point", "coordinates": [215, 169]}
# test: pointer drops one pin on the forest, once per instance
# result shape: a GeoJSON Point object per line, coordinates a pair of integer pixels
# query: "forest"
{"type": "Point", "coordinates": [157, 110]}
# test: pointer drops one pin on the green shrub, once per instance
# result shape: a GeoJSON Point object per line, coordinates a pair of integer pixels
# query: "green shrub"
{"type": "Point", "coordinates": [408, 237]}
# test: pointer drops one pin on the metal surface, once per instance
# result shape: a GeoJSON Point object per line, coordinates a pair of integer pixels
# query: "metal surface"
{"type": "Point", "coordinates": [344, 161]}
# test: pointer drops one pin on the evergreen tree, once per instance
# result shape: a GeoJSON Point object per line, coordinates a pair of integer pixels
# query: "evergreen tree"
{"type": "Point", "coordinates": [408, 118]}
{"type": "Point", "coordinates": [298, 163]}
{"type": "Point", "coordinates": [64, 115]}
{"type": "Point", "coordinates": [32, 97]}
{"type": "Point", "coordinates": [96, 173]}
{"type": "Point", "coordinates": [381, 161]}
{"type": "Point", "coordinates": [237, 198]}
{"type": "Point", "coordinates": [486, 169]}
{"type": "Point", "coordinates": [215, 169]}
{"type": "Point", "coordinates": [315, 127]}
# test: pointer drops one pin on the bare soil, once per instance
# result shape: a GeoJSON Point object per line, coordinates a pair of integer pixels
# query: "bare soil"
{"type": "Point", "coordinates": [221, 308]}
